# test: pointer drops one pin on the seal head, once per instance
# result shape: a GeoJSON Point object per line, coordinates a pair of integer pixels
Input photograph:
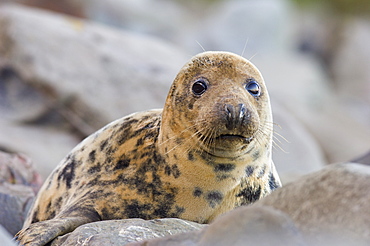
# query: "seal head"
{"type": "Point", "coordinates": [219, 105]}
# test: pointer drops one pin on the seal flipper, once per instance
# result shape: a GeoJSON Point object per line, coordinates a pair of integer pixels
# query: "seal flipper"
{"type": "Point", "coordinates": [43, 232]}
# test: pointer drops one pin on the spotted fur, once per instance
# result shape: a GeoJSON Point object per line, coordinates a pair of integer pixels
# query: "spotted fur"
{"type": "Point", "coordinates": [194, 160]}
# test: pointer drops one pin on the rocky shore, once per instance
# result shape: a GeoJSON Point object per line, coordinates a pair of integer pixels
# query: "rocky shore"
{"type": "Point", "coordinates": [65, 75]}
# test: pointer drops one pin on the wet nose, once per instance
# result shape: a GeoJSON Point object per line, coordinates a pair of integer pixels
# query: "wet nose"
{"type": "Point", "coordinates": [236, 115]}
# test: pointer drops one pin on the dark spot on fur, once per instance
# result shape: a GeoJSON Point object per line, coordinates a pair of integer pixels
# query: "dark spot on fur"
{"type": "Point", "coordinates": [249, 195]}
{"type": "Point", "coordinates": [256, 155]}
{"type": "Point", "coordinates": [272, 182]}
{"type": "Point", "coordinates": [174, 170]}
{"type": "Point", "coordinates": [178, 211]}
{"type": "Point", "coordinates": [179, 141]}
{"type": "Point", "coordinates": [262, 172]}
{"type": "Point", "coordinates": [223, 177]}
{"type": "Point", "coordinates": [139, 142]}
{"type": "Point", "coordinates": [51, 215]}
{"type": "Point", "coordinates": [197, 192]}
{"type": "Point", "coordinates": [92, 156]}
{"type": "Point", "coordinates": [190, 156]}
{"type": "Point", "coordinates": [214, 198]}
{"type": "Point", "coordinates": [122, 164]}
{"type": "Point", "coordinates": [94, 169]}
{"type": "Point", "coordinates": [167, 170]}
{"type": "Point", "coordinates": [249, 171]}
{"type": "Point", "coordinates": [34, 216]}
{"type": "Point", "coordinates": [103, 145]}
{"type": "Point", "coordinates": [48, 206]}
{"type": "Point", "coordinates": [68, 173]}
{"type": "Point", "coordinates": [225, 167]}
{"type": "Point", "coordinates": [134, 209]}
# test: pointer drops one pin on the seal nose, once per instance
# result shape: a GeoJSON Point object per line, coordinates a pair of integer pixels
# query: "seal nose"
{"type": "Point", "coordinates": [236, 116]}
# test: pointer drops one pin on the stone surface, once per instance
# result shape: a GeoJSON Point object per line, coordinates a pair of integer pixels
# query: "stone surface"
{"type": "Point", "coordinates": [295, 152]}
{"type": "Point", "coordinates": [329, 207]}
{"type": "Point", "coordinates": [230, 25]}
{"type": "Point", "coordinates": [15, 201]}
{"type": "Point", "coordinates": [121, 232]}
{"type": "Point", "coordinates": [5, 238]}
{"type": "Point", "coordinates": [45, 146]}
{"type": "Point", "coordinates": [19, 169]}
{"type": "Point", "coordinates": [363, 159]}
{"type": "Point", "coordinates": [243, 226]}
{"type": "Point", "coordinates": [85, 73]}
{"type": "Point", "coordinates": [18, 100]}
{"type": "Point", "coordinates": [19, 182]}
{"type": "Point", "coordinates": [93, 62]}
{"type": "Point", "coordinates": [306, 94]}
{"type": "Point", "coordinates": [164, 18]}
{"type": "Point", "coordinates": [351, 71]}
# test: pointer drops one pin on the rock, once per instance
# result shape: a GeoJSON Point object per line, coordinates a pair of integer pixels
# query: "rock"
{"type": "Point", "coordinates": [363, 159]}
{"type": "Point", "coordinates": [121, 232]}
{"type": "Point", "coordinates": [295, 151]}
{"type": "Point", "coordinates": [45, 146]}
{"type": "Point", "coordinates": [306, 94]}
{"type": "Point", "coordinates": [142, 16]}
{"type": "Point", "coordinates": [242, 226]}
{"type": "Point", "coordinates": [18, 100]}
{"type": "Point", "coordinates": [19, 169]}
{"type": "Point", "coordinates": [231, 25]}
{"type": "Point", "coordinates": [78, 61]}
{"type": "Point", "coordinates": [15, 201]}
{"type": "Point", "coordinates": [329, 207]}
{"type": "Point", "coordinates": [5, 238]}
{"type": "Point", "coordinates": [351, 71]}
{"type": "Point", "coordinates": [19, 182]}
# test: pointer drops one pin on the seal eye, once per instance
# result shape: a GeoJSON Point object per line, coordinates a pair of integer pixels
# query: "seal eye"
{"type": "Point", "coordinates": [199, 87]}
{"type": "Point", "coordinates": [253, 88]}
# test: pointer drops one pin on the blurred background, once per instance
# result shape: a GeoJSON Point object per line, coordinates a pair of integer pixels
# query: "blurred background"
{"type": "Point", "coordinates": [69, 67]}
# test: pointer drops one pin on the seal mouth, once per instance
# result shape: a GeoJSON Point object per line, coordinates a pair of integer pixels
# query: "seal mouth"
{"type": "Point", "coordinates": [232, 137]}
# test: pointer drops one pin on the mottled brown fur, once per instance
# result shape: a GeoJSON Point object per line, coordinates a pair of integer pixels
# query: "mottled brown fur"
{"type": "Point", "coordinates": [173, 163]}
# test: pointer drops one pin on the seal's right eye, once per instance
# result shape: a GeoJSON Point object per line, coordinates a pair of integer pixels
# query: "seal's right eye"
{"type": "Point", "coordinates": [199, 87]}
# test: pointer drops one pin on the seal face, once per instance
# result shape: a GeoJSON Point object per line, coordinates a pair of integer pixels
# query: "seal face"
{"type": "Point", "coordinates": [207, 152]}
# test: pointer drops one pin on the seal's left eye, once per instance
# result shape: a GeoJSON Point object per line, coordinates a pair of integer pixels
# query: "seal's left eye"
{"type": "Point", "coordinates": [253, 88]}
{"type": "Point", "coordinates": [199, 87]}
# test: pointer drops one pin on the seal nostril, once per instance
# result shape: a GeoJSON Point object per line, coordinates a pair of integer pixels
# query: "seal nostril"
{"type": "Point", "coordinates": [236, 116]}
{"type": "Point", "coordinates": [242, 111]}
{"type": "Point", "coordinates": [230, 116]}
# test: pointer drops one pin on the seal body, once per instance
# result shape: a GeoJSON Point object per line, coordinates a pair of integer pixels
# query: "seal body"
{"type": "Point", "coordinates": [207, 152]}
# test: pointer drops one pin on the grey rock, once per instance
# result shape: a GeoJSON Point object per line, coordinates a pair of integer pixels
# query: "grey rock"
{"type": "Point", "coordinates": [306, 94]}
{"type": "Point", "coordinates": [242, 226]}
{"type": "Point", "coordinates": [5, 238]}
{"type": "Point", "coordinates": [295, 151]}
{"type": "Point", "coordinates": [329, 207]}
{"type": "Point", "coordinates": [231, 25]}
{"type": "Point", "coordinates": [363, 159]}
{"type": "Point", "coordinates": [164, 18]}
{"type": "Point", "coordinates": [121, 232]}
{"type": "Point", "coordinates": [15, 201]}
{"type": "Point", "coordinates": [18, 100]}
{"type": "Point", "coordinates": [19, 182]}
{"type": "Point", "coordinates": [19, 169]}
{"type": "Point", "coordinates": [350, 67]}
{"type": "Point", "coordinates": [100, 73]}
{"type": "Point", "coordinates": [45, 146]}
